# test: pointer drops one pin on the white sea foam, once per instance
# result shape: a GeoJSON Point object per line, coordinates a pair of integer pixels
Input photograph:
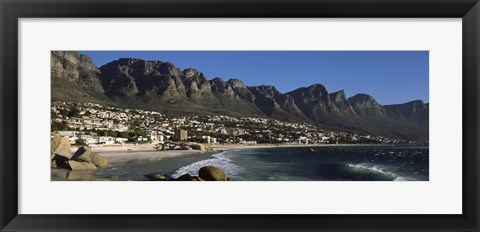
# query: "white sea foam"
{"type": "Point", "coordinates": [219, 160]}
{"type": "Point", "coordinates": [375, 168]}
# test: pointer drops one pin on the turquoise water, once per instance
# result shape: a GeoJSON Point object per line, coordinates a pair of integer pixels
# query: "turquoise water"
{"type": "Point", "coordinates": [330, 163]}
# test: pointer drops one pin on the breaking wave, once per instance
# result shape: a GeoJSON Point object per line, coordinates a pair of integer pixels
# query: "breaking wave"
{"type": "Point", "coordinates": [219, 160]}
{"type": "Point", "coordinates": [377, 170]}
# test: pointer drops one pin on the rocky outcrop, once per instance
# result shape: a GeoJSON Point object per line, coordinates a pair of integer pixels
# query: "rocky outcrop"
{"type": "Point", "coordinates": [198, 146]}
{"type": "Point", "coordinates": [83, 159]}
{"type": "Point", "coordinates": [207, 173]}
{"type": "Point", "coordinates": [60, 152]}
{"type": "Point", "coordinates": [60, 146]}
{"type": "Point", "coordinates": [415, 111]}
{"type": "Point", "coordinates": [80, 166]}
{"type": "Point", "coordinates": [76, 68]}
{"type": "Point", "coordinates": [86, 155]}
{"type": "Point", "coordinates": [157, 176]}
{"type": "Point", "coordinates": [184, 177]}
{"type": "Point", "coordinates": [313, 101]}
{"type": "Point", "coordinates": [210, 173]}
{"type": "Point", "coordinates": [197, 86]}
{"type": "Point", "coordinates": [275, 104]}
{"type": "Point", "coordinates": [339, 100]}
{"type": "Point", "coordinates": [366, 106]}
{"type": "Point", "coordinates": [74, 77]}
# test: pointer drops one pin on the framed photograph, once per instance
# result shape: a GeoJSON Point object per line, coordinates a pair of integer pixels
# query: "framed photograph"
{"type": "Point", "coordinates": [239, 115]}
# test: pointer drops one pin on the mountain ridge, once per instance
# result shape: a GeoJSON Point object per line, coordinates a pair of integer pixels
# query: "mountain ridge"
{"type": "Point", "coordinates": [161, 86]}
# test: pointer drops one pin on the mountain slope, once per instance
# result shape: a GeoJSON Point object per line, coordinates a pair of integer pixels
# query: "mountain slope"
{"type": "Point", "coordinates": [75, 78]}
{"type": "Point", "coordinates": [161, 86]}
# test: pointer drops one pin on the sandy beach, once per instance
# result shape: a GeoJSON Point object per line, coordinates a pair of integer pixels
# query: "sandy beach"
{"type": "Point", "coordinates": [118, 157]}
{"type": "Point", "coordinates": [145, 152]}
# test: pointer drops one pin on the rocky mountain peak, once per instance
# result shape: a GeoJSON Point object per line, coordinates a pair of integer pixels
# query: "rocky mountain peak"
{"type": "Point", "coordinates": [192, 73]}
{"type": "Point", "coordinates": [73, 67]}
{"type": "Point", "coordinates": [366, 105]}
{"type": "Point", "coordinates": [362, 98]}
{"type": "Point", "coordinates": [235, 83]}
{"type": "Point", "coordinates": [267, 89]}
{"type": "Point", "coordinates": [217, 80]}
{"type": "Point", "coordinates": [219, 86]}
{"type": "Point", "coordinates": [169, 69]}
{"type": "Point", "coordinates": [338, 96]}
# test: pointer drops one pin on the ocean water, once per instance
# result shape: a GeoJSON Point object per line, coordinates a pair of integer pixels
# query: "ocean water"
{"type": "Point", "coordinates": [325, 163]}
{"type": "Point", "coordinates": [329, 163]}
{"type": "Point", "coordinates": [133, 170]}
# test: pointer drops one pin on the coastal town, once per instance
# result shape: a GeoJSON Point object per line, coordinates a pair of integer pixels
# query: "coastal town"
{"type": "Point", "coordinates": [97, 125]}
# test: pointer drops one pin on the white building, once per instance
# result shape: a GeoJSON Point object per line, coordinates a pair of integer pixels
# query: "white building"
{"type": "Point", "coordinates": [158, 138]}
{"type": "Point", "coordinates": [121, 140]}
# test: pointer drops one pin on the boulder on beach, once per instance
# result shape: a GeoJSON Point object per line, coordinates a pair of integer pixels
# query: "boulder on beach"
{"type": "Point", "coordinates": [59, 162]}
{"type": "Point", "coordinates": [80, 176]}
{"type": "Point", "coordinates": [210, 173]}
{"type": "Point", "coordinates": [114, 177]}
{"type": "Point", "coordinates": [85, 154]}
{"type": "Point", "coordinates": [60, 146]}
{"type": "Point", "coordinates": [185, 177]}
{"type": "Point", "coordinates": [157, 176]}
{"type": "Point", "coordinates": [197, 146]}
{"type": "Point", "coordinates": [159, 147]}
{"type": "Point", "coordinates": [54, 164]}
{"type": "Point", "coordinates": [80, 166]}
{"type": "Point", "coordinates": [188, 177]}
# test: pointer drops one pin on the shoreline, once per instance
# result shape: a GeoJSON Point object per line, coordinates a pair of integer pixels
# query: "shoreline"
{"type": "Point", "coordinates": [121, 154]}
{"type": "Point", "coordinates": [122, 157]}
{"type": "Point", "coordinates": [164, 161]}
{"type": "Point", "coordinates": [144, 152]}
{"type": "Point", "coordinates": [238, 146]}
{"type": "Point", "coordinates": [130, 148]}
{"type": "Point", "coordinates": [117, 157]}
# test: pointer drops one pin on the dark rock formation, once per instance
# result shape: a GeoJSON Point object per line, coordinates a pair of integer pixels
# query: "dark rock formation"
{"type": "Point", "coordinates": [80, 166]}
{"type": "Point", "coordinates": [275, 104]}
{"type": "Point", "coordinates": [210, 173]}
{"type": "Point", "coordinates": [86, 155]}
{"type": "Point", "coordinates": [185, 177]}
{"type": "Point", "coordinates": [75, 78]}
{"type": "Point", "coordinates": [157, 176]}
{"type": "Point", "coordinates": [60, 146]}
{"type": "Point", "coordinates": [366, 106]}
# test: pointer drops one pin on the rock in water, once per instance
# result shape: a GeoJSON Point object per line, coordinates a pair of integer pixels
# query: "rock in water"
{"type": "Point", "coordinates": [85, 154]}
{"type": "Point", "coordinates": [157, 176]}
{"type": "Point", "coordinates": [80, 175]}
{"type": "Point", "coordinates": [197, 146]}
{"type": "Point", "coordinates": [79, 166]}
{"type": "Point", "coordinates": [210, 173]}
{"type": "Point", "coordinates": [60, 146]}
{"type": "Point", "coordinates": [185, 177]}
{"type": "Point", "coordinates": [59, 162]}
{"type": "Point", "coordinates": [114, 177]}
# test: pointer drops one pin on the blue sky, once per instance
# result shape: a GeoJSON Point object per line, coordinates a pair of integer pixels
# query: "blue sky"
{"type": "Point", "coordinates": [391, 77]}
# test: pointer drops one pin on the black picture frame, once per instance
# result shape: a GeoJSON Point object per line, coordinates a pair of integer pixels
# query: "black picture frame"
{"type": "Point", "coordinates": [12, 10]}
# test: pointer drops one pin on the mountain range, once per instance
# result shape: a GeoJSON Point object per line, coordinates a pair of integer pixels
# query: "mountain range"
{"type": "Point", "coordinates": [161, 86]}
